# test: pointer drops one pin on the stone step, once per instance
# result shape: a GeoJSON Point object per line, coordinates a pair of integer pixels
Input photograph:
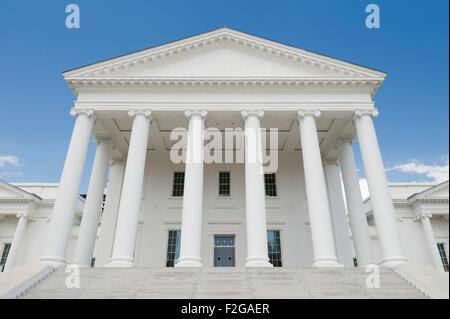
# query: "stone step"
{"type": "Point", "coordinates": [222, 283]}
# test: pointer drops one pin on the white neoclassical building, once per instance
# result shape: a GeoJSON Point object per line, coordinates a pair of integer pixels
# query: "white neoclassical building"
{"type": "Point", "coordinates": [223, 79]}
{"type": "Point", "coordinates": [421, 211]}
{"type": "Point", "coordinates": [282, 205]}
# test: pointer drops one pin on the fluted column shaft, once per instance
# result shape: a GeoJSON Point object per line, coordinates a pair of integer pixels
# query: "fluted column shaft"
{"type": "Point", "coordinates": [357, 216]}
{"type": "Point", "coordinates": [191, 223]}
{"type": "Point", "coordinates": [16, 242]}
{"type": "Point", "coordinates": [110, 211]}
{"type": "Point", "coordinates": [431, 241]}
{"type": "Point", "coordinates": [316, 191]}
{"type": "Point", "coordinates": [69, 186]}
{"type": "Point", "coordinates": [255, 200]}
{"type": "Point", "coordinates": [338, 214]}
{"type": "Point", "coordinates": [93, 205]}
{"type": "Point", "coordinates": [130, 200]}
{"type": "Point", "coordinates": [388, 233]}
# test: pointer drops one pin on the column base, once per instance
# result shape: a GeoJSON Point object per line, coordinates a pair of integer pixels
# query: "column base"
{"type": "Point", "coordinates": [253, 262]}
{"type": "Point", "coordinates": [193, 262]}
{"type": "Point", "coordinates": [326, 262]}
{"type": "Point", "coordinates": [120, 262]}
{"type": "Point", "coordinates": [52, 261]}
{"type": "Point", "coordinates": [392, 262]}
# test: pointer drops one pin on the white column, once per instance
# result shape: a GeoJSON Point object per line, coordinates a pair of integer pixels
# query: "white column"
{"type": "Point", "coordinates": [338, 214]}
{"type": "Point", "coordinates": [316, 192]}
{"type": "Point", "coordinates": [69, 186]}
{"type": "Point", "coordinates": [109, 217]}
{"type": "Point", "coordinates": [383, 208]}
{"type": "Point", "coordinates": [130, 200]}
{"type": "Point", "coordinates": [16, 242]}
{"type": "Point", "coordinates": [93, 205]}
{"type": "Point", "coordinates": [255, 198]}
{"type": "Point", "coordinates": [357, 216]}
{"type": "Point", "coordinates": [431, 241]}
{"type": "Point", "coordinates": [191, 223]}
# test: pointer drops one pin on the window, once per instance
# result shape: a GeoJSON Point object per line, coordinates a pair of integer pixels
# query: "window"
{"type": "Point", "coordinates": [224, 184]}
{"type": "Point", "coordinates": [178, 184]}
{"type": "Point", "coordinates": [5, 253]}
{"type": "Point", "coordinates": [224, 241]}
{"type": "Point", "coordinates": [443, 255]}
{"type": "Point", "coordinates": [270, 184]}
{"type": "Point", "coordinates": [370, 220]}
{"type": "Point", "coordinates": [355, 262]}
{"type": "Point", "coordinates": [274, 246]}
{"type": "Point", "coordinates": [173, 247]}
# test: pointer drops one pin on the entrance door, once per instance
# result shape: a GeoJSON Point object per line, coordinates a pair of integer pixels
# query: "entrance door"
{"type": "Point", "coordinates": [224, 251]}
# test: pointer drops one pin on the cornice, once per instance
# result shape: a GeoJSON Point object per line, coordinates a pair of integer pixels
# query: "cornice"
{"type": "Point", "coordinates": [15, 199]}
{"type": "Point", "coordinates": [144, 83]}
{"type": "Point", "coordinates": [399, 202]}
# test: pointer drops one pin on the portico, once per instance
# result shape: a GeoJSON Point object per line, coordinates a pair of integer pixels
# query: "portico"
{"type": "Point", "coordinates": [216, 81]}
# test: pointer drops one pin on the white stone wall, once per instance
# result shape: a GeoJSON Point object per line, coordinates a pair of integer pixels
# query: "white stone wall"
{"type": "Point", "coordinates": [411, 230]}
{"type": "Point", "coordinates": [160, 212]}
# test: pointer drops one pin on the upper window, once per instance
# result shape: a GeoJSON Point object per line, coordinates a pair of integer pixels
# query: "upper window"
{"type": "Point", "coordinates": [370, 220]}
{"type": "Point", "coordinates": [443, 255]}
{"type": "Point", "coordinates": [274, 247]}
{"type": "Point", "coordinates": [178, 184]}
{"type": "Point", "coordinates": [270, 184]}
{"type": "Point", "coordinates": [4, 255]}
{"type": "Point", "coordinates": [224, 184]}
{"type": "Point", "coordinates": [173, 247]}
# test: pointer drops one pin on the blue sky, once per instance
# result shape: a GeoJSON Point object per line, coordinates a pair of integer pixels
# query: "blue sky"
{"type": "Point", "coordinates": [35, 47]}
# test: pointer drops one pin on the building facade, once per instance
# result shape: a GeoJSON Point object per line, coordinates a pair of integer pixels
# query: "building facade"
{"type": "Point", "coordinates": [422, 216]}
{"type": "Point", "coordinates": [268, 196]}
{"type": "Point", "coordinates": [25, 214]}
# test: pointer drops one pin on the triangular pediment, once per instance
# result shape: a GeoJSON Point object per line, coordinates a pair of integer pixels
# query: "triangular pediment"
{"type": "Point", "coordinates": [222, 61]}
{"type": "Point", "coordinates": [9, 191]}
{"type": "Point", "coordinates": [224, 53]}
{"type": "Point", "coordinates": [438, 192]}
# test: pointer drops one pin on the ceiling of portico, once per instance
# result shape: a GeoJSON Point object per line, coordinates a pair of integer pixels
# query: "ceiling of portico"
{"type": "Point", "coordinates": [329, 129]}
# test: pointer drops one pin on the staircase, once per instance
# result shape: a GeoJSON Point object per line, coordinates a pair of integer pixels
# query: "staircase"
{"type": "Point", "coordinates": [224, 283]}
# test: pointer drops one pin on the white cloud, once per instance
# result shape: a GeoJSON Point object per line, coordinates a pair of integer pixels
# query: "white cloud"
{"type": "Point", "coordinates": [10, 159]}
{"type": "Point", "coordinates": [9, 174]}
{"type": "Point", "coordinates": [435, 172]}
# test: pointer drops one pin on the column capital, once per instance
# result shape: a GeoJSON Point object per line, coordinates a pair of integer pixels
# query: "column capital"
{"type": "Point", "coordinates": [426, 215]}
{"type": "Point", "coordinates": [100, 140]}
{"type": "Point", "coordinates": [116, 161]}
{"type": "Point", "coordinates": [331, 161]}
{"type": "Point", "coordinates": [116, 157]}
{"type": "Point", "coordinates": [22, 215]}
{"type": "Point", "coordinates": [332, 156]}
{"type": "Point", "coordinates": [369, 112]}
{"type": "Point", "coordinates": [75, 112]}
{"type": "Point", "coordinates": [202, 113]}
{"type": "Point", "coordinates": [146, 113]}
{"type": "Point", "coordinates": [259, 113]}
{"type": "Point", "coordinates": [304, 113]}
{"type": "Point", "coordinates": [342, 141]}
